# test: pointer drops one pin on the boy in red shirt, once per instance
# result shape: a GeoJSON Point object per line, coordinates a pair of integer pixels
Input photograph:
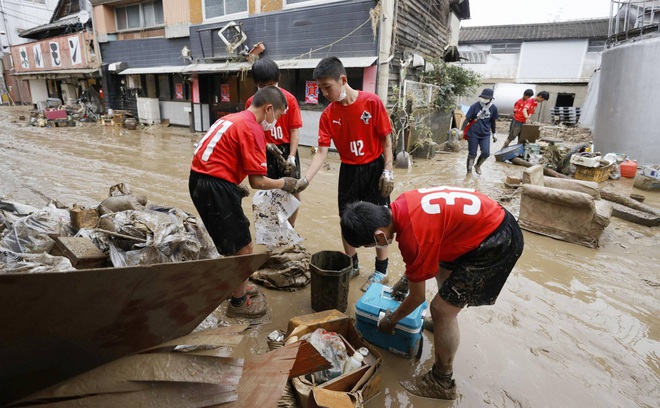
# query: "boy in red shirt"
{"type": "Point", "coordinates": [463, 239]}
{"type": "Point", "coordinates": [284, 135]}
{"type": "Point", "coordinates": [358, 124]}
{"type": "Point", "coordinates": [233, 148]}
{"type": "Point", "coordinates": [516, 126]}
{"type": "Point", "coordinates": [521, 115]}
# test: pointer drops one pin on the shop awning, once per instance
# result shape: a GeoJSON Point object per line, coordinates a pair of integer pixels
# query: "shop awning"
{"type": "Point", "coordinates": [165, 69]}
{"type": "Point", "coordinates": [308, 63]}
{"type": "Point", "coordinates": [57, 73]}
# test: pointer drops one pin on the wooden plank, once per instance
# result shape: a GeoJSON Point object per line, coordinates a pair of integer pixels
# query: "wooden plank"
{"type": "Point", "coordinates": [89, 317]}
{"type": "Point", "coordinates": [308, 361]}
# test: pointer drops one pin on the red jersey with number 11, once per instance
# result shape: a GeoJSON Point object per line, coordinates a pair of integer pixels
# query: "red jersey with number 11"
{"type": "Point", "coordinates": [356, 129]}
{"type": "Point", "coordinates": [232, 148]}
{"type": "Point", "coordinates": [440, 224]}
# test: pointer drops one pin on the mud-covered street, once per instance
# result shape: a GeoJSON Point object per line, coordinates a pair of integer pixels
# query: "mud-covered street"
{"type": "Point", "coordinates": [573, 327]}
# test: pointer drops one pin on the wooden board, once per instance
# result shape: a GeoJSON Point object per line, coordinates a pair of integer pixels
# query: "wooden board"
{"type": "Point", "coordinates": [57, 325]}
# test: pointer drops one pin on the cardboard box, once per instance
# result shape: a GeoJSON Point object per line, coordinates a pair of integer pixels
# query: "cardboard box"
{"type": "Point", "coordinates": [407, 338]}
{"type": "Point", "coordinates": [597, 174]}
{"type": "Point", "coordinates": [349, 390]}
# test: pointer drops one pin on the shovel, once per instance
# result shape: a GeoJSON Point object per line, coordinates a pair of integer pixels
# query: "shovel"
{"type": "Point", "coordinates": [403, 158]}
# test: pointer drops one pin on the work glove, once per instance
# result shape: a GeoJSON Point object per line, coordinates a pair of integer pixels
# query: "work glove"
{"type": "Point", "coordinates": [290, 166]}
{"type": "Point", "coordinates": [400, 289]}
{"type": "Point", "coordinates": [294, 185]}
{"type": "Point", "coordinates": [243, 189]}
{"type": "Point", "coordinates": [385, 325]}
{"type": "Point", "coordinates": [386, 183]}
{"type": "Point", "coordinates": [494, 138]}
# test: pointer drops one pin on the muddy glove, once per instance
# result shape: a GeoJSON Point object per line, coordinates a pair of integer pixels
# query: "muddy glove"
{"type": "Point", "coordinates": [400, 289]}
{"type": "Point", "coordinates": [243, 189]}
{"type": "Point", "coordinates": [386, 183]}
{"type": "Point", "coordinates": [294, 185]}
{"type": "Point", "coordinates": [494, 138]}
{"type": "Point", "coordinates": [290, 169]}
{"type": "Point", "coordinates": [385, 325]}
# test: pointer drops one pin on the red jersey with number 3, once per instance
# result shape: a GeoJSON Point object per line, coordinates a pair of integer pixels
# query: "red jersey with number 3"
{"type": "Point", "coordinates": [290, 119]}
{"type": "Point", "coordinates": [440, 224]}
{"type": "Point", "coordinates": [232, 148]}
{"type": "Point", "coordinates": [355, 129]}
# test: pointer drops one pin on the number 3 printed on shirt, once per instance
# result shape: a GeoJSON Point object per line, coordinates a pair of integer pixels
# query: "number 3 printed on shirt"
{"type": "Point", "coordinates": [449, 194]}
{"type": "Point", "coordinates": [356, 147]}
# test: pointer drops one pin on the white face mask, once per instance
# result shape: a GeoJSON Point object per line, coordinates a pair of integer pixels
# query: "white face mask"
{"type": "Point", "coordinates": [388, 242]}
{"type": "Point", "coordinates": [484, 101]}
{"type": "Point", "coordinates": [342, 94]}
{"type": "Point", "coordinates": [266, 125]}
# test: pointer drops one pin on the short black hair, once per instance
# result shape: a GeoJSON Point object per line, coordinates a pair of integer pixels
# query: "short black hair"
{"type": "Point", "coordinates": [265, 70]}
{"type": "Point", "coordinates": [544, 94]}
{"type": "Point", "coordinates": [528, 92]}
{"type": "Point", "coordinates": [270, 94]}
{"type": "Point", "coordinates": [329, 67]}
{"type": "Point", "coordinates": [360, 220]}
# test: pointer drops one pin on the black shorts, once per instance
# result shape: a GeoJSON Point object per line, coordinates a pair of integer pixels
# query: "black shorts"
{"type": "Point", "coordinates": [478, 276]}
{"type": "Point", "coordinates": [360, 183]}
{"type": "Point", "coordinates": [218, 203]}
{"type": "Point", "coordinates": [514, 129]}
{"type": "Point", "coordinates": [274, 169]}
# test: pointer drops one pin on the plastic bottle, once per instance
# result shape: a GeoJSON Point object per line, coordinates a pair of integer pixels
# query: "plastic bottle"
{"type": "Point", "coordinates": [353, 363]}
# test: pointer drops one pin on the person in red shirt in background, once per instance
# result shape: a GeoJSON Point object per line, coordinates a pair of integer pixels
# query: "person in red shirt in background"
{"type": "Point", "coordinates": [520, 116]}
{"type": "Point", "coordinates": [358, 124]}
{"type": "Point", "coordinates": [460, 237]}
{"type": "Point", "coordinates": [233, 148]}
{"type": "Point", "coordinates": [284, 135]}
{"type": "Point", "coordinates": [516, 125]}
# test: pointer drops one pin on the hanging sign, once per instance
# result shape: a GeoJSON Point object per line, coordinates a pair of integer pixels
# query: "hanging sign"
{"type": "Point", "coordinates": [55, 54]}
{"type": "Point", "coordinates": [74, 49]}
{"type": "Point", "coordinates": [179, 91]}
{"type": "Point", "coordinates": [25, 62]}
{"type": "Point", "coordinates": [38, 56]}
{"type": "Point", "coordinates": [224, 93]}
{"type": "Point", "coordinates": [311, 93]}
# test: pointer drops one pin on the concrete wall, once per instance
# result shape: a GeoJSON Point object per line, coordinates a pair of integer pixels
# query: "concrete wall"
{"type": "Point", "coordinates": [551, 60]}
{"type": "Point", "coordinates": [626, 119]}
{"type": "Point", "coordinates": [497, 66]}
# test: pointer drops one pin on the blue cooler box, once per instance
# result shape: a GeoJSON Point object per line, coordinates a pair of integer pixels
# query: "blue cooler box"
{"type": "Point", "coordinates": [407, 337]}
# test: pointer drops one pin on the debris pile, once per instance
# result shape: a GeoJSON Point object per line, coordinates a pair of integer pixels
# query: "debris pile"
{"type": "Point", "coordinates": [123, 228]}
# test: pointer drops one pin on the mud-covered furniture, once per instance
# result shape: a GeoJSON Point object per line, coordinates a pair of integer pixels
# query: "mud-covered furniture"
{"type": "Point", "coordinates": [565, 209]}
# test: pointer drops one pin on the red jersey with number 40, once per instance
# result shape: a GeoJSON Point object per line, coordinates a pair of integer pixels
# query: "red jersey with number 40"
{"type": "Point", "coordinates": [232, 148]}
{"type": "Point", "coordinates": [440, 224]}
{"type": "Point", "coordinates": [290, 119]}
{"type": "Point", "coordinates": [356, 129]}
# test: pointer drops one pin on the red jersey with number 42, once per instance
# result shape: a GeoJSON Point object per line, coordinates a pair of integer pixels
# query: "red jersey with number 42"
{"type": "Point", "coordinates": [440, 224]}
{"type": "Point", "coordinates": [356, 129]}
{"type": "Point", "coordinates": [531, 105]}
{"type": "Point", "coordinates": [290, 119]}
{"type": "Point", "coordinates": [232, 148]}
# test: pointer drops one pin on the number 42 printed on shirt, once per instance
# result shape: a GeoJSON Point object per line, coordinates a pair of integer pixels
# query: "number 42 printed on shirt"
{"type": "Point", "coordinates": [356, 147]}
{"type": "Point", "coordinates": [449, 194]}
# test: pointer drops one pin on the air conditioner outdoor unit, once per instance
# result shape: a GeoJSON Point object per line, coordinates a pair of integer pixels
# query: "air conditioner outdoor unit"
{"type": "Point", "coordinates": [148, 110]}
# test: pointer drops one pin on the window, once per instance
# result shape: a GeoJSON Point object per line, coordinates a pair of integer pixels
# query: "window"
{"type": "Point", "coordinates": [137, 16]}
{"type": "Point", "coordinates": [220, 8]}
{"type": "Point", "coordinates": [473, 57]}
{"type": "Point", "coordinates": [596, 46]}
{"type": "Point", "coordinates": [307, 2]}
{"type": "Point", "coordinates": [35, 1]}
{"type": "Point", "coordinates": [505, 48]}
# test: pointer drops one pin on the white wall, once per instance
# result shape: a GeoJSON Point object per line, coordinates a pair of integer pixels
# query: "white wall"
{"type": "Point", "coordinates": [497, 66]}
{"type": "Point", "coordinates": [38, 90]}
{"type": "Point", "coordinates": [551, 59]}
{"type": "Point", "coordinates": [591, 64]}
{"type": "Point", "coordinates": [20, 15]}
{"type": "Point", "coordinates": [309, 133]}
{"type": "Point", "coordinates": [174, 111]}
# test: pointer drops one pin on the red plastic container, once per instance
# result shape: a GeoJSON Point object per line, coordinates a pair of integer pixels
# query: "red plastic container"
{"type": "Point", "coordinates": [628, 169]}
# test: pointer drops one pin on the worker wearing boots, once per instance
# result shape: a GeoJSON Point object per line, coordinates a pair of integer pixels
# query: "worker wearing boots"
{"type": "Point", "coordinates": [479, 124]}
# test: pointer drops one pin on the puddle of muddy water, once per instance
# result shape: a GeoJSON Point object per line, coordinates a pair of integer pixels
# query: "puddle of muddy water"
{"type": "Point", "coordinates": [573, 326]}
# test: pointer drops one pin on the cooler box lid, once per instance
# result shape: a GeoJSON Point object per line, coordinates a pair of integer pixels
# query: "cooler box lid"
{"type": "Point", "coordinates": [378, 299]}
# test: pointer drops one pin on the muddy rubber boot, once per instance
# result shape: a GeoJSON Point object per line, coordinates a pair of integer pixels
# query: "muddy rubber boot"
{"type": "Point", "coordinates": [470, 163]}
{"type": "Point", "coordinates": [477, 167]}
{"type": "Point", "coordinates": [429, 386]}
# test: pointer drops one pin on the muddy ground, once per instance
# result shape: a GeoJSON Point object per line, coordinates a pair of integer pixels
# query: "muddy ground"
{"type": "Point", "coordinates": [573, 326]}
